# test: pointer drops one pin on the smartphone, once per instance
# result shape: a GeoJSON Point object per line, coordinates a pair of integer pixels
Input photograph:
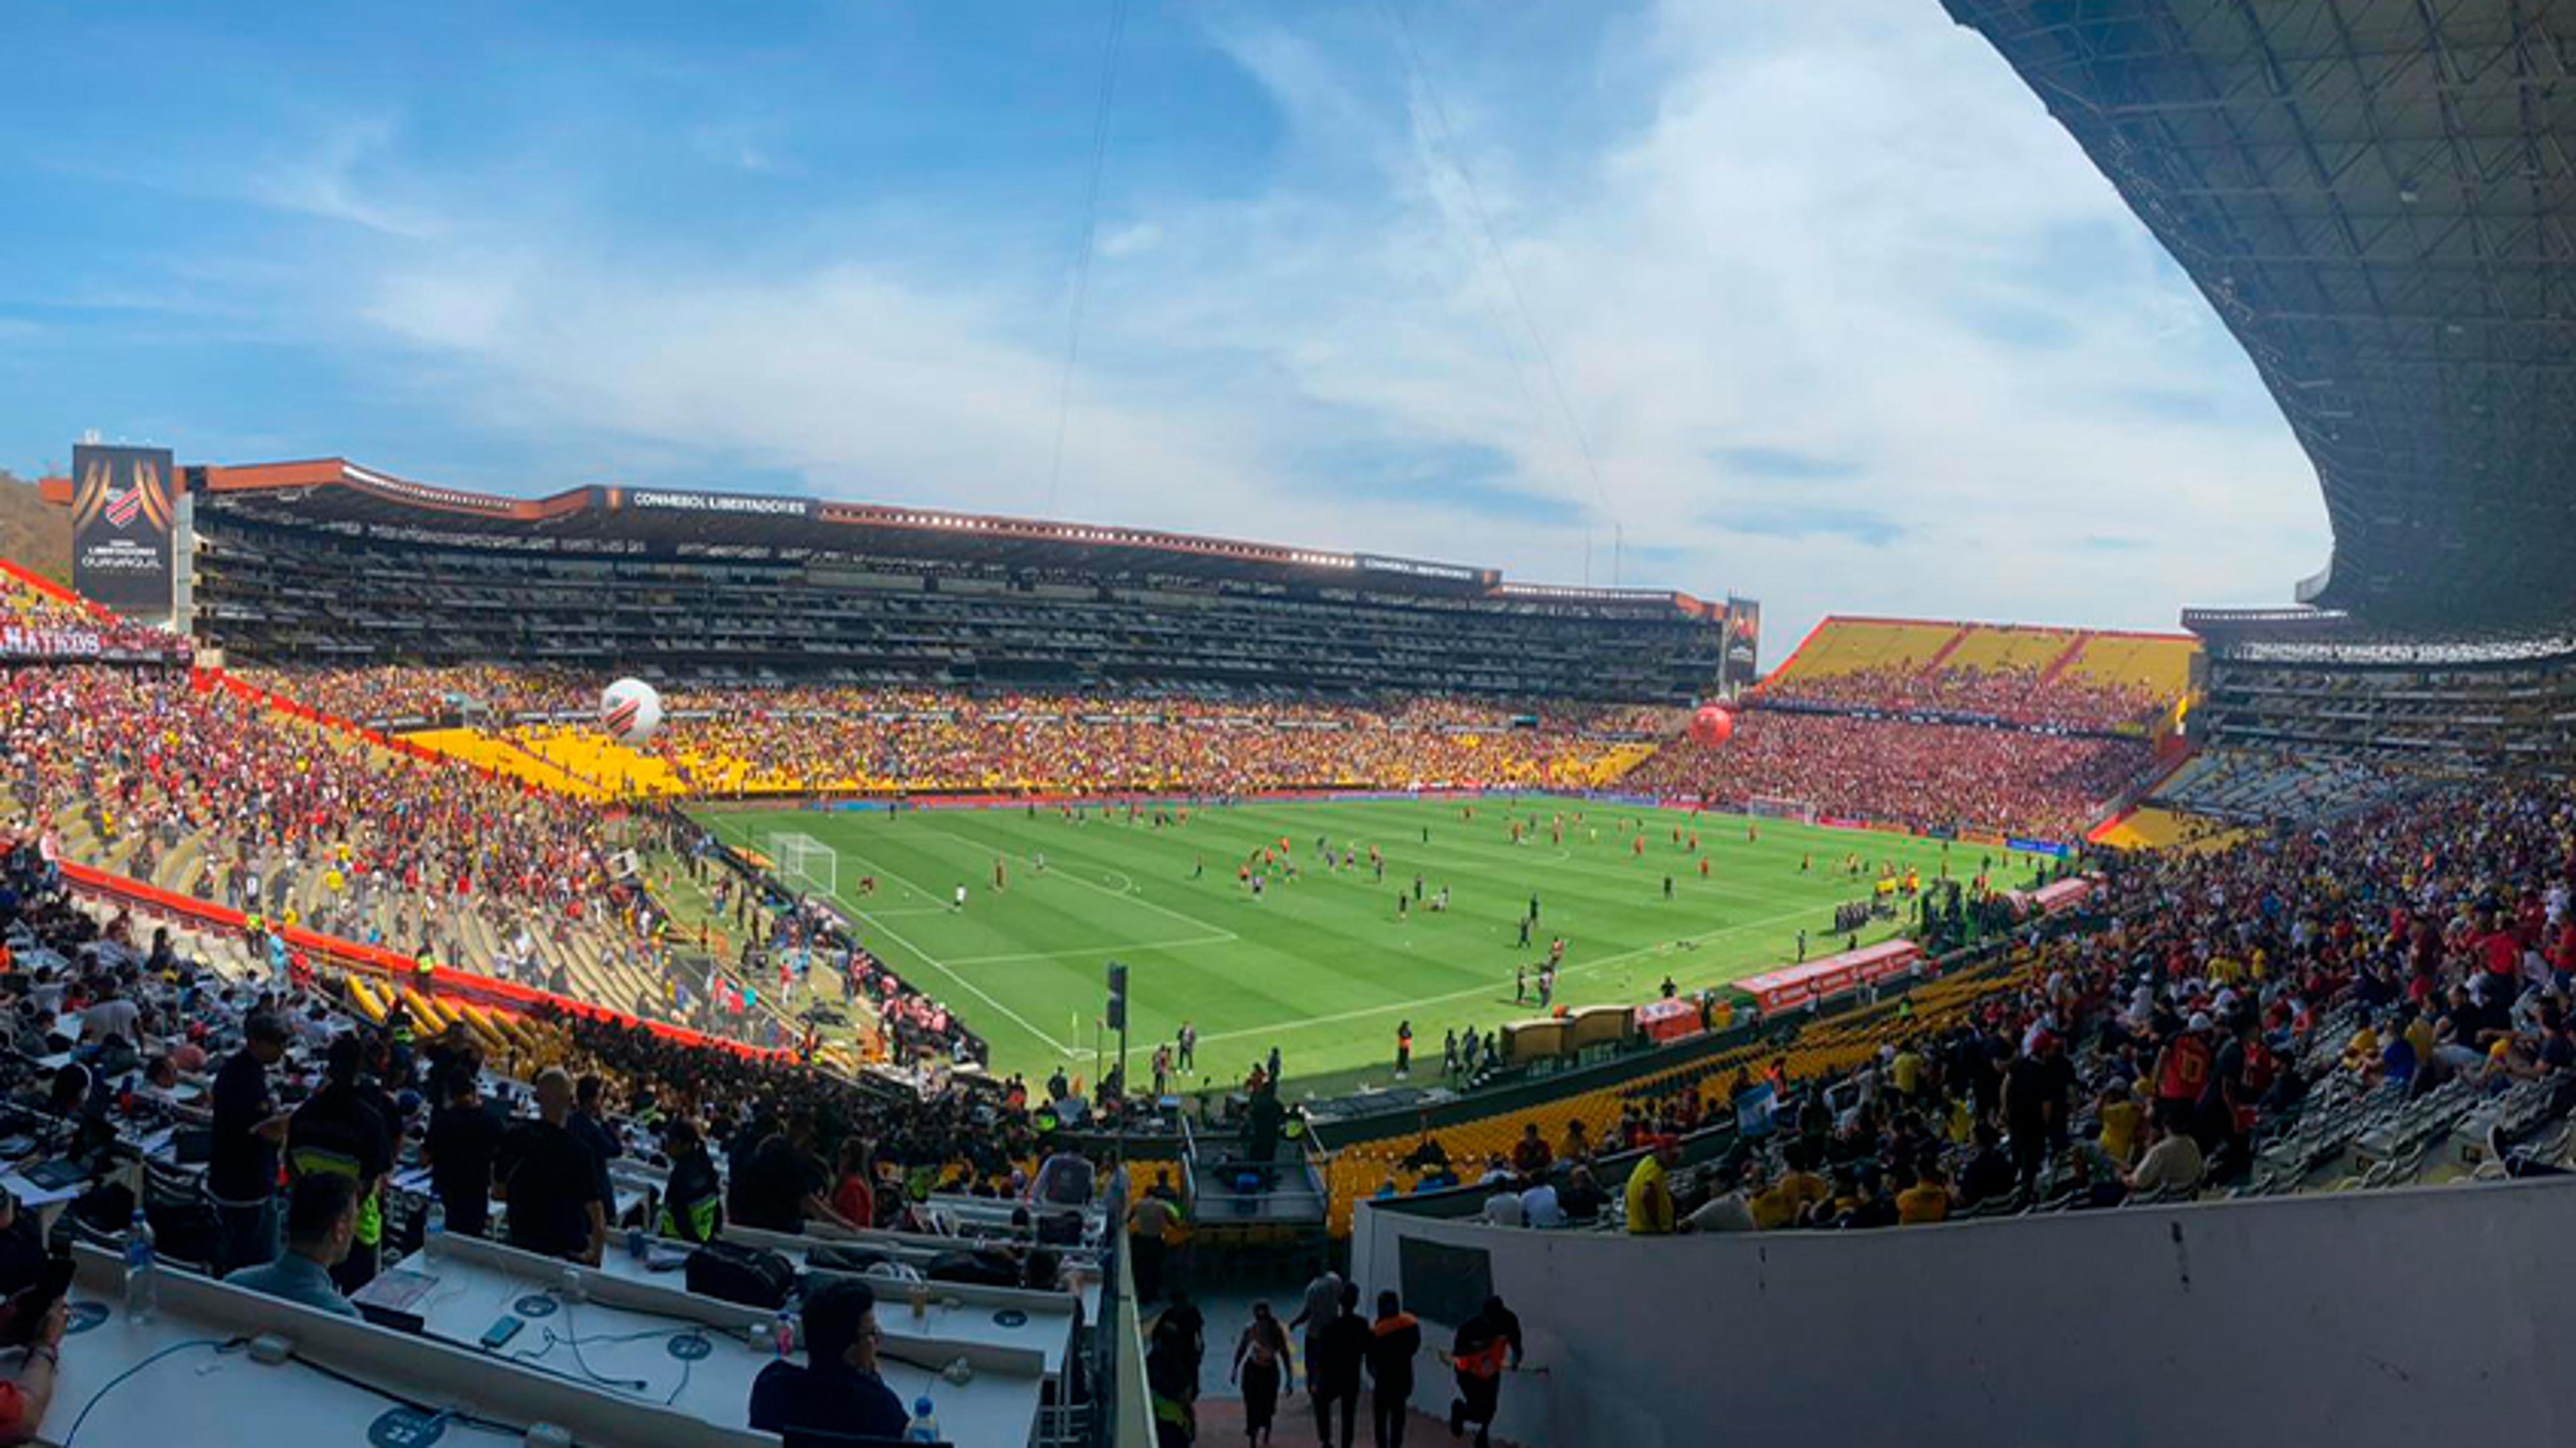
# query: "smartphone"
{"type": "Point", "coordinates": [498, 1335]}
{"type": "Point", "coordinates": [51, 1284]}
{"type": "Point", "coordinates": [26, 1308]}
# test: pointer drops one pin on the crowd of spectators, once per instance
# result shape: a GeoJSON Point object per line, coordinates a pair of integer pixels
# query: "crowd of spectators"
{"type": "Point", "coordinates": [293, 823]}
{"type": "Point", "coordinates": [312, 1117]}
{"type": "Point", "coordinates": [724, 740]}
{"type": "Point", "coordinates": [36, 624]}
{"type": "Point", "coordinates": [400, 695]}
{"type": "Point", "coordinates": [2010, 693]}
{"type": "Point", "coordinates": [1928, 776]}
{"type": "Point", "coordinates": [854, 739]}
{"type": "Point", "coordinates": [2410, 950]}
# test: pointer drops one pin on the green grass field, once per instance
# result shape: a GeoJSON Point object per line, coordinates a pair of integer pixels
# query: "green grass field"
{"type": "Point", "coordinates": [1322, 966]}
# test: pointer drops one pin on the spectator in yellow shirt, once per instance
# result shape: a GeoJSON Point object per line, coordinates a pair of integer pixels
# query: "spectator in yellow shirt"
{"type": "Point", "coordinates": [1907, 1071]}
{"type": "Point", "coordinates": [1928, 1200]}
{"type": "Point", "coordinates": [2120, 1115]}
{"type": "Point", "coordinates": [1650, 1193]}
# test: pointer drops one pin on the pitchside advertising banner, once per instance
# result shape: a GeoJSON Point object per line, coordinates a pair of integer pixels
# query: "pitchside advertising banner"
{"type": "Point", "coordinates": [122, 503]}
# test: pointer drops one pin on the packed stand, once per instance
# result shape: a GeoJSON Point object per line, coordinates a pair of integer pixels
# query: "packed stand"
{"type": "Point", "coordinates": [330, 1148]}
{"type": "Point", "coordinates": [2245, 1019]}
{"type": "Point", "coordinates": [37, 624]}
{"type": "Point", "coordinates": [2025, 696]}
{"type": "Point", "coordinates": [1927, 776]}
{"type": "Point", "coordinates": [146, 760]}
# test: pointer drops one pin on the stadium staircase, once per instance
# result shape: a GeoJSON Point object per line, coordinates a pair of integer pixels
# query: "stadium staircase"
{"type": "Point", "coordinates": [585, 956]}
{"type": "Point", "coordinates": [1949, 646]}
{"type": "Point", "coordinates": [1220, 1420]}
{"type": "Point", "coordinates": [2065, 659]}
{"type": "Point", "coordinates": [2161, 662]}
{"type": "Point", "coordinates": [1280, 1205]}
{"type": "Point", "coordinates": [1987, 647]}
{"type": "Point", "coordinates": [1852, 645]}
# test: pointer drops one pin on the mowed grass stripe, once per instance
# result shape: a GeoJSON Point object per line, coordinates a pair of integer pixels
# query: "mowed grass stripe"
{"type": "Point", "coordinates": [1324, 967]}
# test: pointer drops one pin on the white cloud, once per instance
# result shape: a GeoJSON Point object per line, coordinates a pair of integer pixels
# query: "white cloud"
{"type": "Point", "coordinates": [1132, 240]}
{"type": "Point", "coordinates": [1848, 233]}
{"type": "Point", "coordinates": [323, 180]}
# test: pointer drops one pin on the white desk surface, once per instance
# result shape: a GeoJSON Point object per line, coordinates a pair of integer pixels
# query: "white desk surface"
{"type": "Point", "coordinates": [1048, 1329]}
{"type": "Point", "coordinates": [997, 1407]}
{"type": "Point", "coordinates": [911, 1249]}
{"type": "Point", "coordinates": [196, 1395]}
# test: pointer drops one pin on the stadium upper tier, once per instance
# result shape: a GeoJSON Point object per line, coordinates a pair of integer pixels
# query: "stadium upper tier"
{"type": "Point", "coordinates": [2053, 677]}
{"type": "Point", "coordinates": [2374, 195]}
{"type": "Point", "coordinates": [326, 562]}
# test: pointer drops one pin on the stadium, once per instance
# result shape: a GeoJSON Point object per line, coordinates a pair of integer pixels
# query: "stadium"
{"type": "Point", "coordinates": [637, 964]}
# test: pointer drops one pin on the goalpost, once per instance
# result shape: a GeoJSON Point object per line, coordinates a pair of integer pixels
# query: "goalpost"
{"type": "Point", "coordinates": [1780, 807]}
{"type": "Point", "coordinates": [804, 863]}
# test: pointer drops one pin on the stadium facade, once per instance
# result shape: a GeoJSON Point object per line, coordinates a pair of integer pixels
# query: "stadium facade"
{"type": "Point", "coordinates": [331, 563]}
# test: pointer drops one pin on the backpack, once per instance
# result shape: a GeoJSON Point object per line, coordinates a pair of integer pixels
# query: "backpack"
{"type": "Point", "coordinates": [731, 1272]}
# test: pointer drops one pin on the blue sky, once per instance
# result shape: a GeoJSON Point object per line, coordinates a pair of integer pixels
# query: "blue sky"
{"type": "Point", "coordinates": [1810, 302]}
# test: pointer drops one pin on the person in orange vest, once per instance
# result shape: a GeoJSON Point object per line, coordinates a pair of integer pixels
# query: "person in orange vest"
{"type": "Point", "coordinates": [1393, 1340]}
{"type": "Point", "coordinates": [1479, 1354]}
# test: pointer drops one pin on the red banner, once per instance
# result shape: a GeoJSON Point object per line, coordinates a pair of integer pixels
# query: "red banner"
{"type": "Point", "coordinates": [1817, 979]}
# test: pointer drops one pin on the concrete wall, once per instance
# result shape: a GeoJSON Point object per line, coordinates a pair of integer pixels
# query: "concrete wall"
{"type": "Point", "coordinates": [2403, 1318]}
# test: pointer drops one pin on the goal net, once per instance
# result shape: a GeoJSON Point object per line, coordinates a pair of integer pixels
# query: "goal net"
{"type": "Point", "coordinates": [1780, 807]}
{"type": "Point", "coordinates": [804, 863]}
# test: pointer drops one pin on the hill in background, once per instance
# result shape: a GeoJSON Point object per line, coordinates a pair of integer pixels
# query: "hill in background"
{"type": "Point", "coordinates": [32, 535]}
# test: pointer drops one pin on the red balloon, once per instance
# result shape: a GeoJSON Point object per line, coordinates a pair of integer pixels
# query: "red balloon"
{"type": "Point", "coordinates": [1711, 726]}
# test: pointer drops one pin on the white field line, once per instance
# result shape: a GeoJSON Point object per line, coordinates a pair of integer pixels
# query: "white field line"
{"type": "Point", "coordinates": [1072, 878]}
{"type": "Point", "coordinates": [935, 963]}
{"type": "Point", "coordinates": [1405, 1007]}
{"type": "Point", "coordinates": [1089, 951]}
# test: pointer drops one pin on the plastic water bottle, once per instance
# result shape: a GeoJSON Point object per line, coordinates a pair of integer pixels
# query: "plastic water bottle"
{"type": "Point", "coordinates": [142, 1278]}
{"type": "Point", "coordinates": [924, 1427]}
{"type": "Point", "coordinates": [782, 1334]}
{"type": "Point", "coordinates": [434, 1226]}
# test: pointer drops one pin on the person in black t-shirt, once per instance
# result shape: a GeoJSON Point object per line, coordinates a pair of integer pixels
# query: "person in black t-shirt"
{"type": "Point", "coordinates": [783, 1184]}
{"type": "Point", "coordinates": [590, 1130]}
{"type": "Point", "coordinates": [550, 1181]}
{"type": "Point", "coordinates": [338, 1129]}
{"type": "Point", "coordinates": [836, 1394]}
{"type": "Point", "coordinates": [464, 1136]}
{"type": "Point", "coordinates": [241, 1166]}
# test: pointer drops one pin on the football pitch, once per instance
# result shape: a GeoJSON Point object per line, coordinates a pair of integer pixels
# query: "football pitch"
{"type": "Point", "coordinates": [1323, 966]}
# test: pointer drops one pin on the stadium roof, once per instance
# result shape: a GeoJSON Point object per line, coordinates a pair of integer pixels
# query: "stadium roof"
{"type": "Point", "coordinates": [2375, 195]}
{"type": "Point", "coordinates": [333, 492]}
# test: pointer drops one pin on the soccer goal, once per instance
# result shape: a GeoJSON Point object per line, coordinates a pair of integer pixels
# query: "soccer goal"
{"type": "Point", "coordinates": [1778, 807]}
{"type": "Point", "coordinates": [804, 863]}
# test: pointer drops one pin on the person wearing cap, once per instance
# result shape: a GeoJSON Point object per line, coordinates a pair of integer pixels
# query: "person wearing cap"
{"type": "Point", "coordinates": [1650, 1192]}
{"type": "Point", "coordinates": [836, 1395]}
{"type": "Point", "coordinates": [241, 1165]}
{"type": "Point", "coordinates": [2182, 1072]}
